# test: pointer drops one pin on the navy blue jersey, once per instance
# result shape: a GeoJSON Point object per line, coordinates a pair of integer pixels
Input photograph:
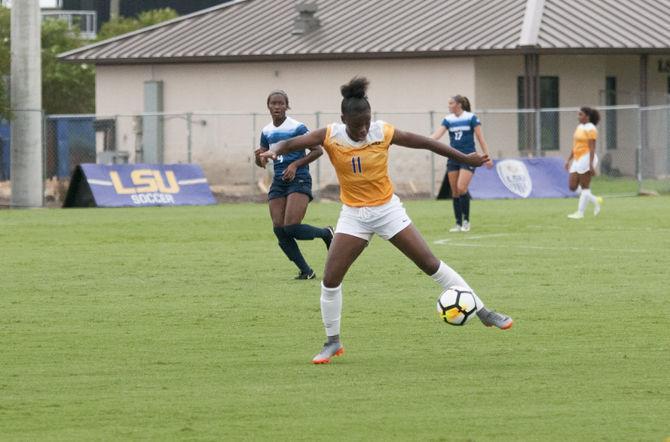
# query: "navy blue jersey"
{"type": "Point", "coordinates": [462, 131]}
{"type": "Point", "coordinates": [271, 135]}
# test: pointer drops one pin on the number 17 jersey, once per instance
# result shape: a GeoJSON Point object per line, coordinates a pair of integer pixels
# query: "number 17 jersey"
{"type": "Point", "coordinates": [361, 167]}
{"type": "Point", "coordinates": [462, 131]}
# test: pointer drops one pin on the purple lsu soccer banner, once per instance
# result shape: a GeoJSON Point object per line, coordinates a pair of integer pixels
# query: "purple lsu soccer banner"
{"type": "Point", "coordinates": [522, 178]}
{"type": "Point", "coordinates": [140, 185]}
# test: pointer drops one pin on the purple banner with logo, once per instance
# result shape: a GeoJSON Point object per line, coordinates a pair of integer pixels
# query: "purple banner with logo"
{"type": "Point", "coordinates": [140, 185]}
{"type": "Point", "coordinates": [522, 178]}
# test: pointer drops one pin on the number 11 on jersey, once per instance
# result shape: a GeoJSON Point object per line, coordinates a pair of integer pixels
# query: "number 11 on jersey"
{"type": "Point", "coordinates": [356, 161]}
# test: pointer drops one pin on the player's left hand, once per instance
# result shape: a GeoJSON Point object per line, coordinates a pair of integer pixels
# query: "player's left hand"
{"type": "Point", "coordinates": [289, 172]}
{"type": "Point", "coordinates": [592, 171]}
{"type": "Point", "coordinates": [489, 163]}
{"type": "Point", "coordinates": [475, 159]}
{"type": "Point", "coordinates": [268, 155]}
{"type": "Point", "coordinates": [260, 161]}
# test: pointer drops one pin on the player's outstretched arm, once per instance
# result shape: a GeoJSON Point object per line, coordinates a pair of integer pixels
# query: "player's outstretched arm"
{"type": "Point", "coordinates": [308, 141]}
{"type": "Point", "coordinates": [439, 132]}
{"type": "Point", "coordinates": [484, 145]}
{"type": "Point", "coordinates": [416, 141]}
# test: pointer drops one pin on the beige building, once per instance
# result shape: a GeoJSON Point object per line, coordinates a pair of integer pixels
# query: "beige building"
{"type": "Point", "coordinates": [219, 65]}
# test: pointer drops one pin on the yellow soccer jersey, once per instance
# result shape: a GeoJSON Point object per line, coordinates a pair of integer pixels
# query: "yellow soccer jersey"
{"type": "Point", "coordinates": [361, 167]}
{"type": "Point", "coordinates": [583, 134]}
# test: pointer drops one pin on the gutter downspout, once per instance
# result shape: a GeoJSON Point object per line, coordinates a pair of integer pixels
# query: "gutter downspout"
{"type": "Point", "coordinates": [528, 43]}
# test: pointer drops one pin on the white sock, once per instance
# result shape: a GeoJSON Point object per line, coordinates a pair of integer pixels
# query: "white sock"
{"type": "Point", "coordinates": [583, 201]}
{"type": "Point", "coordinates": [591, 197]}
{"type": "Point", "coordinates": [331, 309]}
{"type": "Point", "coordinates": [448, 277]}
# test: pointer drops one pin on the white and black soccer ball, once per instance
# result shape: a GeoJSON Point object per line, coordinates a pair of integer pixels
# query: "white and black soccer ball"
{"type": "Point", "coordinates": [457, 305]}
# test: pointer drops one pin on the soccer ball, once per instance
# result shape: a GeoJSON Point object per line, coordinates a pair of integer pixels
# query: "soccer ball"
{"type": "Point", "coordinates": [456, 305]}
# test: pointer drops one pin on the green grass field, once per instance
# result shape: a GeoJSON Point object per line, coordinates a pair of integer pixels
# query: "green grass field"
{"type": "Point", "coordinates": [185, 324]}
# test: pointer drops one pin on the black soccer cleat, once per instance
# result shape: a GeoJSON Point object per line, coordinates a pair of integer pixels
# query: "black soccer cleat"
{"type": "Point", "coordinates": [308, 275]}
{"type": "Point", "coordinates": [328, 239]}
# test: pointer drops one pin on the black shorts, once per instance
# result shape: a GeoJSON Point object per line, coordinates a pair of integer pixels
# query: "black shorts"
{"type": "Point", "coordinates": [453, 166]}
{"type": "Point", "coordinates": [281, 188]}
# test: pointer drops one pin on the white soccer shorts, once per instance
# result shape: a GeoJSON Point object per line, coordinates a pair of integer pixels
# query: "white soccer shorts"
{"type": "Point", "coordinates": [362, 222]}
{"type": "Point", "coordinates": [581, 166]}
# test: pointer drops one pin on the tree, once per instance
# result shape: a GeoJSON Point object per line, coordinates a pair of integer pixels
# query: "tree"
{"type": "Point", "coordinates": [122, 25]}
{"type": "Point", "coordinates": [5, 51]}
{"type": "Point", "coordinates": [67, 87]}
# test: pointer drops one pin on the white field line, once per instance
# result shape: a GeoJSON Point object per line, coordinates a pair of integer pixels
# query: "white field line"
{"type": "Point", "coordinates": [469, 238]}
{"type": "Point", "coordinates": [465, 242]}
{"type": "Point", "coordinates": [606, 229]}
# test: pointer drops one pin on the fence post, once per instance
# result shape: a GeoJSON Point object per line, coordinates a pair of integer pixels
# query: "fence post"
{"type": "Point", "coordinates": [431, 115]}
{"type": "Point", "coordinates": [189, 137]}
{"type": "Point", "coordinates": [317, 192]}
{"type": "Point", "coordinates": [667, 137]}
{"type": "Point", "coordinates": [44, 155]}
{"type": "Point", "coordinates": [253, 148]}
{"type": "Point", "coordinates": [638, 157]}
{"type": "Point", "coordinates": [538, 133]}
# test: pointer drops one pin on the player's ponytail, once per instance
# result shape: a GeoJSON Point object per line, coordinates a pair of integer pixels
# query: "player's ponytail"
{"type": "Point", "coordinates": [463, 101]}
{"type": "Point", "coordinates": [594, 115]}
{"type": "Point", "coordinates": [354, 93]}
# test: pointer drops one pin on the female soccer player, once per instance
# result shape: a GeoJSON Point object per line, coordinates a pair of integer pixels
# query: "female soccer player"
{"type": "Point", "coordinates": [583, 160]}
{"type": "Point", "coordinates": [463, 126]}
{"type": "Point", "coordinates": [291, 188]}
{"type": "Point", "coordinates": [358, 150]}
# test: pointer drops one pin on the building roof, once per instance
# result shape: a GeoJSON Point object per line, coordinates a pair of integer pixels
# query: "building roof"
{"type": "Point", "coordinates": [255, 30]}
{"type": "Point", "coordinates": [606, 24]}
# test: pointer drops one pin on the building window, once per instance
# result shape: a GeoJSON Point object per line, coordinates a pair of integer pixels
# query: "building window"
{"type": "Point", "coordinates": [610, 115]}
{"type": "Point", "coordinates": [549, 120]}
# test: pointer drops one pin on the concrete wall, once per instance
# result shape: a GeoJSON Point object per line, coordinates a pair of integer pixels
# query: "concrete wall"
{"type": "Point", "coordinates": [224, 144]}
{"type": "Point", "coordinates": [403, 92]}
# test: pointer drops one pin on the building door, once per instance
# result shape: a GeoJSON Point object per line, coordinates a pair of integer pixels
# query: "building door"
{"type": "Point", "coordinates": [549, 120]}
{"type": "Point", "coordinates": [611, 123]}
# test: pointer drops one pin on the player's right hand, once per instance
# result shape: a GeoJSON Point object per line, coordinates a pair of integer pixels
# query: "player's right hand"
{"type": "Point", "coordinates": [475, 159]}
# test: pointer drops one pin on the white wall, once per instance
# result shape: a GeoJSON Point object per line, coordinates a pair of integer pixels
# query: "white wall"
{"type": "Point", "coordinates": [402, 92]}
{"type": "Point", "coordinates": [223, 145]}
{"type": "Point", "coordinates": [396, 85]}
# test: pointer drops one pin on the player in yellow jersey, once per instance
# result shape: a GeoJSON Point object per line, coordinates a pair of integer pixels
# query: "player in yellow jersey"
{"type": "Point", "coordinates": [358, 150]}
{"type": "Point", "coordinates": [583, 160]}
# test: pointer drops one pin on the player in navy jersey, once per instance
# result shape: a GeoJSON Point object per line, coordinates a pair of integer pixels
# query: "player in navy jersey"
{"type": "Point", "coordinates": [463, 126]}
{"type": "Point", "coordinates": [291, 188]}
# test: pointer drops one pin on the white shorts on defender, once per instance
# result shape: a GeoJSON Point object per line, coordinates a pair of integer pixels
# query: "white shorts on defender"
{"type": "Point", "coordinates": [581, 166]}
{"type": "Point", "coordinates": [362, 222]}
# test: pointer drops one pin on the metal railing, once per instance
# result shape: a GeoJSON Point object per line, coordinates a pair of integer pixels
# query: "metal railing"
{"type": "Point", "coordinates": [633, 145]}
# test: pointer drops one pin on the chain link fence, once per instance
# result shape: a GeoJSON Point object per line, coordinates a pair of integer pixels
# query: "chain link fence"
{"type": "Point", "coordinates": [654, 171]}
{"type": "Point", "coordinates": [633, 146]}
